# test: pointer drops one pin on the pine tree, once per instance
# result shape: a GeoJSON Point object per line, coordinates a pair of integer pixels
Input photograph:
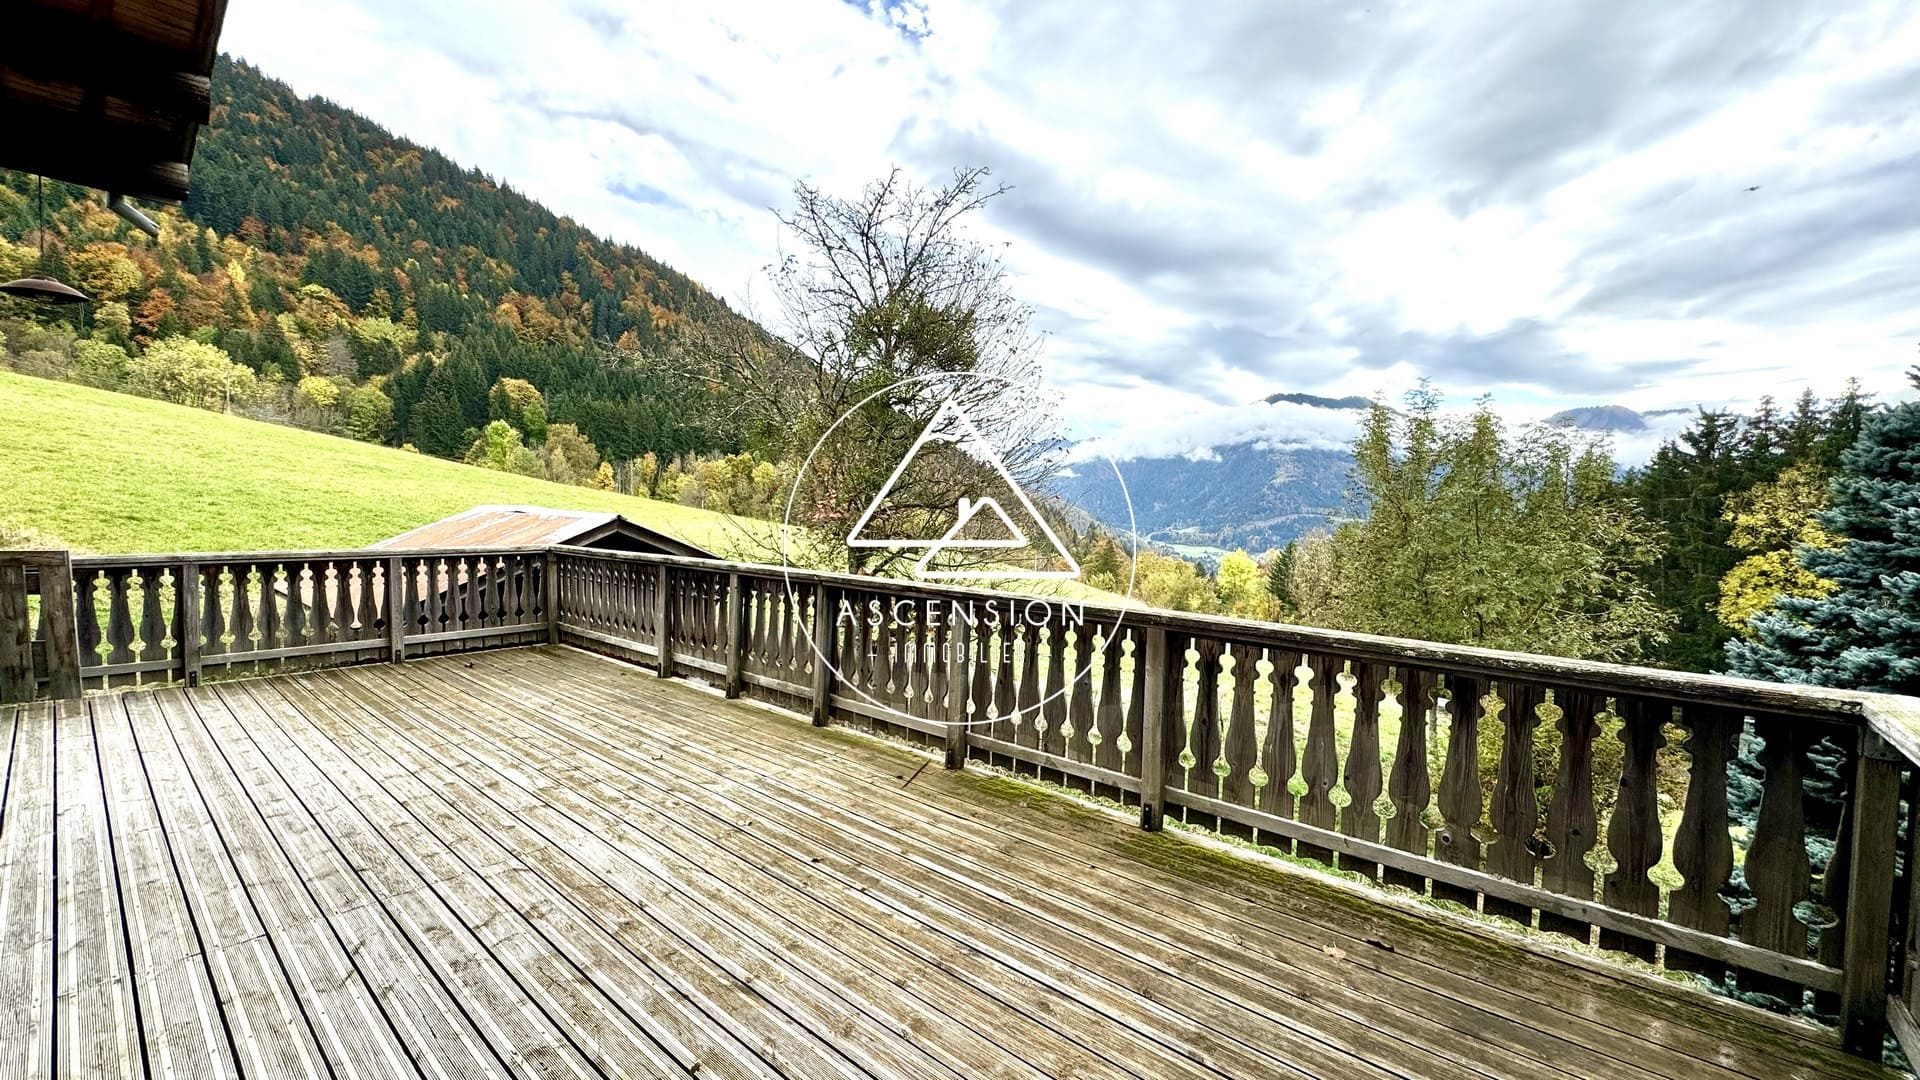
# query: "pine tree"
{"type": "Point", "coordinates": [1866, 634]}
{"type": "Point", "coordinates": [1280, 576]}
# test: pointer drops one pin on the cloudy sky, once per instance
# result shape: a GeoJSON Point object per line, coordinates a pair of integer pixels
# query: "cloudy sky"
{"type": "Point", "coordinates": [1647, 203]}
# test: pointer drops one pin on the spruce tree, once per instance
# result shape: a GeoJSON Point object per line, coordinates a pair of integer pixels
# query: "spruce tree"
{"type": "Point", "coordinates": [1866, 634]}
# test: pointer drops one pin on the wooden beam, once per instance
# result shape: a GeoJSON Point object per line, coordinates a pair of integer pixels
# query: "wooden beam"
{"type": "Point", "coordinates": [62, 631]}
{"type": "Point", "coordinates": [186, 591]}
{"type": "Point", "coordinates": [736, 636]}
{"type": "Point", "coordinates": [663, 632]}
{"type": "Point", "coordinates": [823, 604]}
{"type": "Point", "coordinates": [550, 596]}
{"type": "Point", "coordinates": [1864, 970]}
{"type": "Point", "coordinates": [396, 610]}
{"type": "Point", "coordinates": [1153, 734]}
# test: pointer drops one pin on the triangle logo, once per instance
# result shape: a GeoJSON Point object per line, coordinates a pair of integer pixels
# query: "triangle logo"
{"type": "Point", "coordinates": [979, 522]}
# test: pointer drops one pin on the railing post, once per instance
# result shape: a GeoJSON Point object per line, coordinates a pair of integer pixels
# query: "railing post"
{"type": "Point", "coordinates": [396, 610]}
{"type": "Point", "coordinates": [736, 636]}
{"type": "Point", "coordinates": [959, 661]}
{"type": "Point", "coordinates": [1863, 976]}
{"type": "Point", "coordinates": [63, 631]}
{"type": "Point", "coordinates": [1153, 733]}
{"type": "Point", "coordinates": [17, 681]}
{"type": "Point", "coordinates": [663, 634]}
{"type": "Point", "coordinates": [187, 596]}
{"type": "Point", "coordinates": [823, 604]}
{"type": "Point", "coordinates": [550, 595]}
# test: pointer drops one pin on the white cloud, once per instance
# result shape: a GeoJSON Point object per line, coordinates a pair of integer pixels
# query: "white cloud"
{"type": "Point", "coordinates": [1216, 202]}
{"type": "Point", "coordinates": [1197, 433]}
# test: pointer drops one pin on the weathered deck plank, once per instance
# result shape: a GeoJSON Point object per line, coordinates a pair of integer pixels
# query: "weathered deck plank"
{"type": "Point", "coordinates": [98, 1024]}
{"type": "Point", "coordinates": [26, 898]}
{"type": "Point", "coordinates": [1124, 982]}
{"type": "Point", "coordinates": [540, 863]}
{"type": "Point", "coordinates": [1168, 937]}
{"type": "Point", "coordinates": [180, 1009]}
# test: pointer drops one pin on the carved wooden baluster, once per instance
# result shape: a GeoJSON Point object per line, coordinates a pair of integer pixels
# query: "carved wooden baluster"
{"type": "Point", "coordinates": [423, 597]}
{"type": "Point", "coordinates": [1203, 734]}
{"type": "Point", "coordinates": [1831, 886]}
{"type": "Point", "coordinates": [1778, 870]}
{"type": "Point", "coordinates": [479, 603]}
{"type": "Point", "coordinates": [501, 578]}
{"type": "Point", "coordinates": [1080, 744]}
{"type": "Point", "coordinates": [1278, 756]}
{"type": "Point", "coordinates": [1174, 743]}
{"type": "Point", "coordinates": [767, 619]}
{"type": "Point", "coordinates": [1702, 848]}
{"type": "Point", "coordinates": [1005, 723]}
{"type": "Point", "coordinates": [1360, 818]}
{"type": "Point", "coordinates": [1053, 692]}
{"type": "Point", "coordinates": [119, 617]}
{"type": "Point", "coordinates": [529, 572]}
{"type": "Point", "coordinates": [980, 674]}
{"type": "Point", "coordinates": [1633, 835]}
{"type": "Point", "coordinates": [700, 614]}
{"type": "Point", "coordinates": [937, 663]}
{"type": "Point", "coordinates": [154, 631]}
{"type": "Point", "coordinates": [919, 675]}
{"type": "Point", "coordinates": [1409, 786]}
{"type": "Point", "coordinates": [324, 603]}
{"type": "Point", "coordinates": [875, 647]}
{"type": "Point", "coordinates": [1110, 715]}
{"type": "Point", "coordinates": [272, 626]}
{"type": "Point", "coordinates": [786, 623]}
{"type": "Point", "coordinates": [367, 613]}
{"type": "Point", "coordinates": [856, 672]}
{"type": "Point", "coordinates": [1136, 650]}
{"type": "Point", "coordinates": [344, 601]}
{"type": "Point", "coordinates": [1457, 842]}
{"type": "Point", "coordinates": [1516, 807]}
{"type": "Point", "coordinates": [293, 631]}
{"type": "Point", "coordinates": [213, 624]}
{"type": "Point", "coordinates": [585, 579]}
{"type": "Point", "coordinates": [447, 601]}
{"type": "Point", "coordinates": [764, 610]}
{"type": "Point", "coordinates": [1242, 746]}
{"type": "Point", "coordinates": [87, 592]}
{"type": "Point", "coordinates": [1319, 767]}
{"type": "Point", "coordinates": [893, 665]}
{"type": "Point", "coordinates": [1029, 689]}
{"type": "Point", "coordinates": [241, 623]}
{"type": "Point", "coordinates": [1572, 823]}
{"type": "Point", "coordinates": [803, 616]}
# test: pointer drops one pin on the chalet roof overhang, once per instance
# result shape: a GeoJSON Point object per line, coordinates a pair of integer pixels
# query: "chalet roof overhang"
{"type": "Point", "coordinates": [108, 94]}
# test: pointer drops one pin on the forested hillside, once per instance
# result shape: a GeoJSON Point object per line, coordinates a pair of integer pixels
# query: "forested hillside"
{"type": "Point", "coordinates": [366, 285]}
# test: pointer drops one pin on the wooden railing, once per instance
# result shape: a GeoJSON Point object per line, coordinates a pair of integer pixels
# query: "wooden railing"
{"type": "Point", "coordinates": [144, 620]}
{"type": "Point", "coordinates": [1591, 801]}
{"type": "Point", "coordinates": [1757, 834]}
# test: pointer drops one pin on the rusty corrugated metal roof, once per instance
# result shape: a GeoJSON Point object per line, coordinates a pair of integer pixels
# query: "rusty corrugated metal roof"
{"type": "Point", "coordinates": [501, 527]}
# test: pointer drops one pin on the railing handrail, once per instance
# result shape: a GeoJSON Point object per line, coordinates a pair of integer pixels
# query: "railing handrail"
{"type": "Point", "coordinates": [166, 559]}
{"type": "Point", "coordinates": [1900, 716]}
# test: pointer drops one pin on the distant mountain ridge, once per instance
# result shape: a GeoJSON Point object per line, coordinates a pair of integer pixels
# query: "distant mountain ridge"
{"type": "Point", "coordinates": [1616, 418]}
{"type": "Point", "coordinates": [1260, 493]}
{"type": "Point", "coordinates": [1353, 401]}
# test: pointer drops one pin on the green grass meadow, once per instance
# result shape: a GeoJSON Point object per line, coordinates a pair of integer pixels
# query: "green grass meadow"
{"type": "Point", "coordinates": [111, 473]}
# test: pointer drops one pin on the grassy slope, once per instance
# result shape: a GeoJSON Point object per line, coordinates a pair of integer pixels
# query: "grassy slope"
{"type": "Point", "coordinates": [113, 473]}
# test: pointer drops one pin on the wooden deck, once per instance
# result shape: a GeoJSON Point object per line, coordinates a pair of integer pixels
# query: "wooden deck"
{"type": "Point", "coordinates": [539, 862]}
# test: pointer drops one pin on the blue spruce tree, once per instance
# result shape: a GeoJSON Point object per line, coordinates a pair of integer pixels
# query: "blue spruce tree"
{"type": "Point", "coordinates": [1866, 634]}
